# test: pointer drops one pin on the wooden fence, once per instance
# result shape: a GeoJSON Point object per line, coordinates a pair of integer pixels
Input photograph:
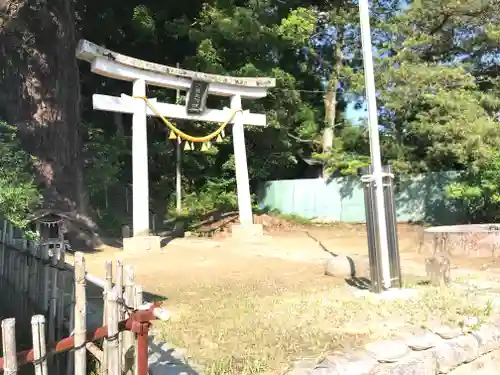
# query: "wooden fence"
{"type": "Point", "coordinates": [48, 295]}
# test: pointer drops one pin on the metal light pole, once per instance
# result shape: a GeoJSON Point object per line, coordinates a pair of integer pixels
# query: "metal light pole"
{"type": "Point", "coordinates": [364, 20]}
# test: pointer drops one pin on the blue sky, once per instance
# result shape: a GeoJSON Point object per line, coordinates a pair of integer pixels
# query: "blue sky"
{"type": "Point", "coordinates": [356, 116]}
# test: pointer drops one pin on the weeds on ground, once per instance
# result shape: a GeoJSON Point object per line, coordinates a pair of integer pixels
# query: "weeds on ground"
{"type": "Point", "coordinates": [241, 330]}
{"type": "Point", "coordinates": [292, 218]}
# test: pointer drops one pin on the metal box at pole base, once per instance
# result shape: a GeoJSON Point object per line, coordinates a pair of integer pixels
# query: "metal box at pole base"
{"type": "Point", "coordinates": [392, 226]}
{"type": "Point", "coordinates": [371, 228]}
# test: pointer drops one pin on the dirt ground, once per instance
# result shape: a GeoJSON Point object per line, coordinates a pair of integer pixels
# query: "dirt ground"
{"type": "Point", "coordinates": [225, 297]}
{"type": "Point", "coordinates": [297, 254]}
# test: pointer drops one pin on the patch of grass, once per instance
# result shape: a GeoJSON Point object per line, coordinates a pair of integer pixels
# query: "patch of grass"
{"type": "Point", "coordinates": [240, 329]}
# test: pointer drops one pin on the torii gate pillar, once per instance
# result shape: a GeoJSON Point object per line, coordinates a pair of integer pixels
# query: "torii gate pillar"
{"type": "Point", "coordinates": [241, 167]}
{"type": "Point", "coordinates": [246, 229]}
{"type": "Point", "coordinates": [143, 73]}
{"type": "Point", "coordinates": [140, 174]}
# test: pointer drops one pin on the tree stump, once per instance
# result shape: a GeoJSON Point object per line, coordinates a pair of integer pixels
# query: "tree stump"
{"type": "Point", "coordinates": [438, 270]}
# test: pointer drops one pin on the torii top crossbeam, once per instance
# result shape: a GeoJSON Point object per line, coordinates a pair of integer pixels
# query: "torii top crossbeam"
{"type": "Point", "coordinates": [126, 68]}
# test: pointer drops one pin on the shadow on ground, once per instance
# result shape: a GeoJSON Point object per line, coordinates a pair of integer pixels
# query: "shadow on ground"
{"type": "Point", "coordinates": [151, 297]}
{"type": "Point", "coordinates": [361, 283]}
{"type": "Point", "coordinates": [164, 360]}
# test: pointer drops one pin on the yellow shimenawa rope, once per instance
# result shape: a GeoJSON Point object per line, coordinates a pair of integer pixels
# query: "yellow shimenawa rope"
{"type": "Point", "coordinates": [183, 135]}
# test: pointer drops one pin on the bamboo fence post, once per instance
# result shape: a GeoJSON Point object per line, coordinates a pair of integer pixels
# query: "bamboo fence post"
{"type": "Point", "coordinates": [2, 268]}
{"type": "Point", "coordinates": [61, 299]}
{"type": "Point", "coordinates": [10, 234]}
{"type": "Point", "coordinates": [128, 349]}
{"type": "Point", "coordinates": [108, 286]}
{"type": "Point", "coordinates": [9, 265]}
{"type": "Point", "coordinates": [20, 286]}
{"type": "Point", "coordinates": [121, 308]}
{"type": "Point", "coordinates": [39, 345]}
{"type": "Point", "coordinates": [71, 329]}
{"type": "Point", "coordinates": [38, 277]}
{"type": "Point", "coordinates": [7, 270]}
{"type": "Point", "coordinates": [17, 277]}
{"type": "Point", "coordinates": [12, 278]}
{"type": "Point", "coordinates": [7, 273]}
{"type": "Point", "coordinates": [119, 288]}
{"type": "Point", "coordinates": [12, 273]}
{"type": "Point", "coordinates": [80, 316]}
{"type": "Point", "coordinates": [138, 297]}
{"type": "Point", "coordinates": [53, 295]}
{"type": "Point", "coordinates": [25, 296]}
{"type": "Point", "coordinates": [9, 346]}
{"type": "Point", "coordinates": [71, 322]}
{"type": "Point", "coordinates": [32, 280]}
{"type": "Point", "coordinates": [4, 232]}
{"type": "Point", "coordinates": [46, 277]}
{"type": "Point", "coordinates": [112, 348]}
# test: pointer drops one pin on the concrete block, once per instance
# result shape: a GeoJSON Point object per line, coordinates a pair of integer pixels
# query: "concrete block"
{"type": "Point", "coordinates": [247, 232]}
{"type": "Point", "coordinates": [142, 243]}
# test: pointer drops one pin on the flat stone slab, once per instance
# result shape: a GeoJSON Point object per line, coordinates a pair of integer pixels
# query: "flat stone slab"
{"type": "Point", "coordinates": [452, 353]}
{"type": "Point", "coordinates": [139, 244]}
{"type": "Point", "coordinates": [416, 363]}
{"type": "Point", "coordinates": [388, 351]}
{"type": "Point", "coordinates": [446, 332]}
{"type": "Point", "coordinates": [359, 362]}
{"type": "Point", "coordinates": [423, 341]}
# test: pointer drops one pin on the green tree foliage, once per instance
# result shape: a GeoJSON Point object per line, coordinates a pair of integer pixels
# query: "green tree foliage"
{"type": "Point", "coordinates": [18, 191]}
{"type": "Point", "coordinates": [437, 76]}
{"type": "Point", "coordinates": [478, 190]}
{"type": "Point", "coordinates": [439, 96]}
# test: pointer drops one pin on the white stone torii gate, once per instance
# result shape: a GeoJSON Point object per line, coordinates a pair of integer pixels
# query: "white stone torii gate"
{"type": "Point", "coordinates": [142, 73]}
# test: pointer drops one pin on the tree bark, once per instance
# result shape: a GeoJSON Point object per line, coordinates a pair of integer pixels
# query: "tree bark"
{"type": "Point", "coordinates": [40, 94]}
{"type": "Point", "coordinates": [330, 99]}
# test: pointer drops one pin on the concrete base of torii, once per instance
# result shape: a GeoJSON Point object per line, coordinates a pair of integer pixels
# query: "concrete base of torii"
{"type": "Point", "coordinates": [247, 232]}
{"type": "Point", "coordinates": [242, 233]}
{"type": "Point", "coordinates": [142, 243]}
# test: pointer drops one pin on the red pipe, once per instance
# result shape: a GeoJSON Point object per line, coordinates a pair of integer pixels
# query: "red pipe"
{"type": "Point", "coordinates": [142, 350]}
{"type": "Point", "coordinates": [138, 322]}
{"type": "Point", "coordinates": [67, 343]}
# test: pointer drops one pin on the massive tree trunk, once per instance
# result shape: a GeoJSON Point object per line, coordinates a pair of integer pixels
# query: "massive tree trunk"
{"type": "Point", "coordinates": [330, 98]}
{"type": "Point", "coordinates": [39, 93]}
